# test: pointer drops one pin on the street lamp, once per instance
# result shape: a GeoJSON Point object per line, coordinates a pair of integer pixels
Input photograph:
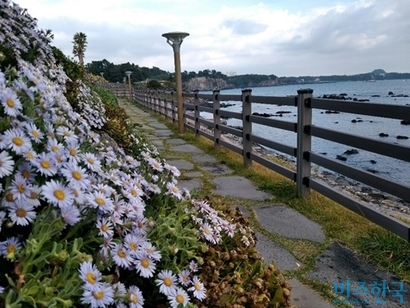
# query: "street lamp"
{"type": "Point", "coordinates": [102, 74]}
{"type": "Point", "coordinates": [174, 39]}
{"type": "Point", "coordinates": [128, 73]}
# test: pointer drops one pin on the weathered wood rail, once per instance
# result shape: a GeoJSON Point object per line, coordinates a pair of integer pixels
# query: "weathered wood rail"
{"type": "Point", "coordinates": [165, 103]}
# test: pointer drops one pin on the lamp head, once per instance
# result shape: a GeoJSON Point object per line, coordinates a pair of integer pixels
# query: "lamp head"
{"type": "Point", "coordinates": [174, 39]}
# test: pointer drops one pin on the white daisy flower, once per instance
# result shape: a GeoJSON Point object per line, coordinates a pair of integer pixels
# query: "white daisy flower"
{"type": "Point", "coordinates": [105, 228]}
{"type": "Point", "coordinates": [145, 266]}
{"type": "Point", "coordinates": [150, 250]}
{"type": "Point", "coordinates": [106, 247]}
{"type": "Point", "coordinates": [91, 161]}
{"type": "Point", "coordinates": [193, 266]}
{"type": "Point", "coordinates": [68, 134]}
{"type": "Point", "coordinates": [178, 297]}
{"type": "Point", "coordinates": [121, 256]}
{"type": "Point", "coordinates": [8, 199]}
{"type": "Point", "coordinates": [57, 193]}
{"type": "Point", "coordinates": [207, 232]}
{"type": "Point", "coordinates": [174, 190]}
{"type": "Point", "coordinates": [70, 213]}
{"type": "Point", "coordinates": [90, 275]}
{"type": "Point", "coordinates": [33, 132]}
{"type": "Point", "coordinates": [46, 164]}
{"type": "Point", "coordinates": [101, 296]}
{"type": "Point", "coordinates": [30, 155]}
{"type": "Point", "coordinates": [156, 165]}
{"type": "Point", "coordinates": [19, 187]}
{"type": "Point", "coordinates": [139, 225]}
{"type": "Point", "coordinates": [100, 201]}
{"type": "Point", "coordinates": [133, 242]}
{"type": "Point", "coordinates": [10, 247]}
{"type": "Point", "coordinates": [184, 277]}
{"type": "Point", "coordinates": [27, 171]}
{"type": "Point", "coordinates": [198, 288]}
{"type": "Point", "coordinates": [11, 103]}
{"type": "Point", "coordinates": [75, 175]}
{"type": "Point", "coordinates": [136, 298]}
{"type": "Point", "coordinates": [21, 213]}
{"type": "Point", "coordinates": [73, 151]}
{"type": "Point", "coordinates": [54, 146]}
{"type": "Point", "coordinates": [173, 169]}
{"type": "Point", "coordinates": [17, 141]}
{"type": "Point", "coordinates": [79, 195]}
{"type": "Point", "coordinates": [6, 164]}
{"type": "Point", "coordinates": [166, 282]}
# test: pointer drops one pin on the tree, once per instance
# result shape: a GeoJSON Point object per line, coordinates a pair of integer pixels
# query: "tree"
{"type": "Point", "coordinates": [80, 44]}
{"type": "Point", "coordinates": [154, 84]}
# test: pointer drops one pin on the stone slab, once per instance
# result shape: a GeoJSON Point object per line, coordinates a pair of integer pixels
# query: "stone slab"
{"type": "Point", "coordinates": [304, 297]}
{"type": "Point", "coordinates": [157, 142]}
{"type": "Point", "coordinates": [157, 125]}
{"type": "Point", "coordinates": [238, 187]}
{"type": "Point", "coordinates": [181, 164]}
{"type": "Point", "coordinates": [338, 263]}
{"type": "Point", "coordinates": [163, 133]}
{"type": "Point", "coordinates": [217, 169]}
{"type": "Point", "coordinates": [190, 184]}
{"type": "Point", "coordinates": [194, 174]}
{"type": "Point", "coordinates": [176, 141]}
{"type": "Point", "coordinates": [186, 148]}
{"type": "Point", "coordinates": [288, 222]}
{"type": "Point", "coordinates": [205, 158]}
{"type": "Point", "coordinates": [272, 252]}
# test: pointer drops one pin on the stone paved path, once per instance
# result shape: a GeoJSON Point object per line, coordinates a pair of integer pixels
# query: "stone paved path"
{"type": "Point", "coordinates": [337, 264]}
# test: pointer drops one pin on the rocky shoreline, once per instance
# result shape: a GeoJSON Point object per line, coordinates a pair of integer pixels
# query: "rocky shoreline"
{"type": "Point", "coordinates": [388, 204]}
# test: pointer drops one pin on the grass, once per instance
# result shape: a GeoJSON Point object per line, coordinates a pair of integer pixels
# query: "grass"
{"type": "Point", "coordinates": [388, 251]}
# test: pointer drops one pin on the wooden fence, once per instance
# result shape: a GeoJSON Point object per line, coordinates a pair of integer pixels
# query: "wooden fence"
{"type": "Point", "coordinates": [164, 103]}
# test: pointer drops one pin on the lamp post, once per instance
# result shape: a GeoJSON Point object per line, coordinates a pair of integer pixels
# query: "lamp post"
{"type": "Point", "coordinates": [174, 39]}
{"type": "Point", "coordinates": [102, 74]}
{"type": "Point", "coordinates": [128, 73]}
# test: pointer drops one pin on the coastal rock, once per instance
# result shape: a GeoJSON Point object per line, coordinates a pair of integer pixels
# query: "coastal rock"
{"type": "Point", "coordinates": [373, 161]}
{"type": "Point", "coordinates": [332, 112]}
{"type": "Point", "coordinates": [402, 137]}
{"type": "Point", "coordinates": [351, 152]}
{"type": "Point", "coordinates": [383, 135]}
{"type": "Point", "coordinates": [390, 93]}
{"type": "Point", "coordinates": [205, 84]}
{"type": "Point", "coordinates": [340, 157]}
{"type": "Point", "coordinates": [266, 115]}
{"type": "Point", "coordinates": [283, 112]}
{"type": "Point", "coordinates": [404, 122]}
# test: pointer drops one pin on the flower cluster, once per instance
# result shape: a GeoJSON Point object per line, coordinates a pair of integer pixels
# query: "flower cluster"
{"type": "Point", "coordinates": [59, 178]}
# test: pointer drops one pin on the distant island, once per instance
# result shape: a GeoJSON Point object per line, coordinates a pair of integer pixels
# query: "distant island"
{"type": "Point", "coordinates": [211, 79]}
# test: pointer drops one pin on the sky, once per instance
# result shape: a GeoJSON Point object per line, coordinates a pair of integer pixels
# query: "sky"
{"type": "Point", "coordinates": [280, 37]}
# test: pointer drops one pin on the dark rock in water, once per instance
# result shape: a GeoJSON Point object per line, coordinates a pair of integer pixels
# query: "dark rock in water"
{"type": "Point", "coordinates": [266, 115]}
{"type": "Point", "coordinates": [359, 121]}
{"type": "Point", "coordinates": [390, 93]}
{"type": "Point", "coordinates": [351, 152]}
{"type": "Point", "coordinates": [402, 137]}
{"type": "Point", "coordinates": [383, 135]}
{"type": "Point", "coordinates": [282, 112]}
{"type": "Point", "coordinates": [404, 122]}
{"type": "Point", "coordinates": [405, 95]}
{"type": "Point", "coordinates": [372, 171]}
{"type": "Point", "coordinates": [343, 94]}
{"type": "Point", "coordinates": [363, 100]}
{"type": "Point", "coordinates": [376, 95]}
{"type": "Point", "coordinates": [323, 153]}
{"type": "Point", "coordinates": [340, 157]}
{"type": "Point", "coordinates": [355, 99]}
{"type": "Point", "coordinates": [373, 161]}
{"type": "Point", "coordinates": [332, 112]}
{"type": "Point", "coordinates": [354, 121]}
{"type": "Point", "coordinates": [336, 122]}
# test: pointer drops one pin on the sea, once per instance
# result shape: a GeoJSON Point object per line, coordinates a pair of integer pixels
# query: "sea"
{"type": "Point", "coordinates": [371, 127]}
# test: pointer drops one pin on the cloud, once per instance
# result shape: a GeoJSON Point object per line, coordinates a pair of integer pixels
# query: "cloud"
{"type": "Point", "coordinates": [284, 38]}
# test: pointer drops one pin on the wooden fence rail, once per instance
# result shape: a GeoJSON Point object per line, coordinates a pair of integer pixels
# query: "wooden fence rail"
{"type": "Point", "coordinates": [165, 103]}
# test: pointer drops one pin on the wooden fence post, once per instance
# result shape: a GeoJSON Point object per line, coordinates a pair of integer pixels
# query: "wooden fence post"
{"type": "Point", "coordinates": [247, 127]}
{"type": "Point", "coordinates": [304, 142]}
{"type": "Point", "coordinates": [173, 108]}
{"type": "Point", "coordinates": [196, 113]}
{"type": "Point", "coordinates": [217, 118]}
